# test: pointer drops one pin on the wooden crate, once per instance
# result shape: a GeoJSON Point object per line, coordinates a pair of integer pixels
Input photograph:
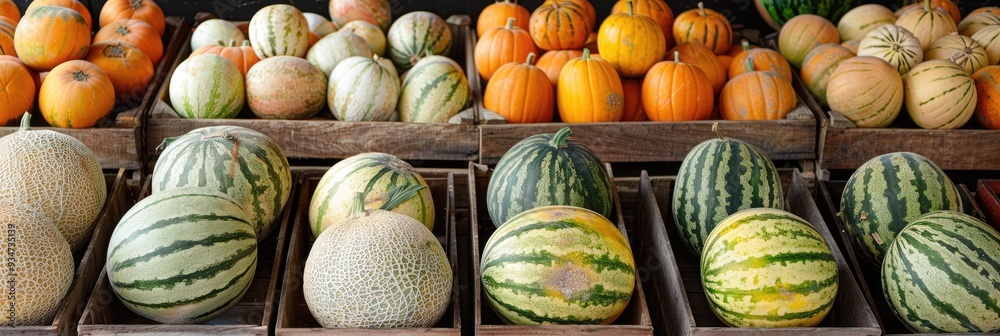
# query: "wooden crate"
{"type": "Point", "coordinates": [323, 137]}
{"type": "Point", "coordinates": [673, 277]}
{"type": "Point", "coordinates": [118, 141]}
{"type": "Point", "coordinates": [105, 314]}
{"type": "Point", "coordinates": [294, 317]}
{"type": "Point", "coordinates": [988, 197]}
{"type": "Point", "coordinates": [635, 320]}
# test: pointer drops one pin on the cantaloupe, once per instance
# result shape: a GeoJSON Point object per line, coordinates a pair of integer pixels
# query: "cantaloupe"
{"type": "Point", "coordinates": [866, 90]}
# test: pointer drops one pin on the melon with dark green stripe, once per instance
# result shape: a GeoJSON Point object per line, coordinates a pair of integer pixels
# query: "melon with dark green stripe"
{"type": "Point", "coordinates": [767, 268]}
{"type": "Point", "coordinates": [548, 169]}
{"type": "Point", "coordinates": [279, 30]}
{"type": "Point", "coordinates": [530, 275]}
{"type": "Point", "coordinates": [941, 274]}
{"type": "Point", "coordinates": [375, 175]}
{"type": "Point", "coordinates": [433, 91]}
{"type": "Point", "coordinates": [777, 12]}
{"type": "Point", "coordinates": [184, 255]}
{"type": "Point", "coordinates": [243, 163]}
{"type": "Point", "coordinates": [415, 35]}
{"type": "Point", "coordinates": [718, 178]}
{"type": "Point", "coordinates": [886, 193]}
{"type": "Point", "coordinates": [207, 86]}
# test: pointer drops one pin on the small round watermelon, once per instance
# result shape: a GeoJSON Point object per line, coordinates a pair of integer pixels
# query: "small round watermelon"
{"type": "Point", "coordinates": [207, 86]}
{"type": "Point", "coordinates": [777, 12]}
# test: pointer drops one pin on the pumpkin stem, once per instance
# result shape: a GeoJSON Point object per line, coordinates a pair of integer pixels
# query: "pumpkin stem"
{"type": "Point", "coordinates": [586, 53]}
{"type": "Point", "coordinates": [400, 194]}
{"type": "Point", "coordinates": [510, 23]}
{"type": "Point", "coordinates": [750, 65]}
{"type": "Point", "coordinates": [677, 56]}
{"type": "Point", "coordinates": [745, 44]}
{"type": "Point", "coordinates": [25, 121]}
{"type": "Point", "coordinates": [631, 7]}
{"type": "Point", "coordinates": [701, 6]}
{"type": "Point", "coordinates": [927, 5]}
{"type": "Point", "coordinates": [357, 205]}
{"type": "Point", "coordinates": [114, 51]}
{"type": "Point", "coordinates": [559, 139]}
{"type": "Point", "coordinates": [122, 30]}
{"type": "Point", "coordinates": [232, 42]}
{"type": "Point", "coordinates": [136, 4]}
{"type": "Point", "coordinates": [715, 129]}
{"type": "Point", "coordinates": [80, 76]}
{"type": "Point", "coordinates": [530, 60]}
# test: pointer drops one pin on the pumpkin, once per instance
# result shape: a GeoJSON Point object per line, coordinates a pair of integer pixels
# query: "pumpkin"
{"type": "Point", "coordinates": [8, 9]}
{"type": "Point", "coordinates": [631, 42]}
{"type": "Point", "coordinates": [17, 91]}
{"type": "Point", "coordinates": [279, 30]}
{"type": "Point", "coordinates": [145, 10]}
{"type": "Point", "coordinates": [497, 14]}
{"type": "Point", "coordinates": [590, 90]}
{"type": "Point", "coordinates": [803, 33]}
{"type": "Point", "coordinates": [560, 25]}
{"type": "Point", "coordinates": [704, 26]}
{"type": "Point", "coordinates": [852, 45]}
{"type": "Point", "coordinates": [7, 39]}
{"type": "Point", "coordinates": [210, 32]}
{"type": "Point", "coordinates": [588, 8]}
{"type": "Point", "coordinates": [377, 12]}
{"type": "Point", "coordinates": [656, 9]}
{"type": "Point", "coordinates": [632, 87]}
{"type": "Point", "coordinates": [521, 93]}
{"type": "Point", "coordinates": [552, 62]}
{"type": "Point", "coordinates": [75, 5]}
{"type": "Point", "coordinates": [763, 59]}
{"type": "Point", "coordinates": [961, 50]}
{"type": "Point", "coordinates": [242, 56]}
{"type": "Point", "coordinates": [819, 66]}
{"type": "Point", "coordinates": [34, 75]}
{"type": "Point", "coordinates": [726, 61]}
{"type": "Point", "coordinates": [893, 44]}
{"type": "Point", "coordinates": [76, 94]}
{"type": "Point", "coordinates": [737, 49]}
{"type": "Point", "coordinates": [858, 22]}
{"type": "Point", "coordinates": [988, 90]}
{"type": "Point", "coordinates": [976, 22]}
{"type": "Point", "coordinates": [676, 91]}
{"type": "Point", "coordinates": [700, 56]}
{"type": "Point", "coordinates": [502, 45]}
{"type": "Point", "coordinates": [939, 94]}
{"type": "Point", "coordinates": [368, 32]}
{"type": "Point", "coordinates": [867, 90]}
{"type": "Point", "coordinates": [135, 32]}
{"type": "Point", "coordinates": [757, 95]}
{"type": "Point", "coordinates": [33, 37]}
{"type": "Point", "coordinates": [927, 24]}
{"type": "Point", "coordinates": [128, 68]}
{"type": "Point", "coordinates": [989, 38]}
{"type": "Point", "coordinates": [941, 6]}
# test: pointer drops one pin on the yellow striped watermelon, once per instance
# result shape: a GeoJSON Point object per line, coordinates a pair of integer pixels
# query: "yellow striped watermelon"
{"type": "Point", "coordinates": [415, 35]}
{"type": "Point", "coordinates": [207, 86]}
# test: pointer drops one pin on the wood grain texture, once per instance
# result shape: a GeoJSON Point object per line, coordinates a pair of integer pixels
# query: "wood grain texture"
{"type": "Point", "coordinates": [962, 149]}
{"type": "Point", "coordinates": [987, 195]}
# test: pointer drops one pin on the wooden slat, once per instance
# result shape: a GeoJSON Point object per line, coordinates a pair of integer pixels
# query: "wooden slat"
{"type": "Point", "coordinates": [963, 149]}
{"type": "Point", "coordinates": [987, 196]}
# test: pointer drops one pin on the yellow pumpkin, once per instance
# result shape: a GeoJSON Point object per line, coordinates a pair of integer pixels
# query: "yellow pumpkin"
{"type": "Point", "coordinates": [590, 90]}
{"type": "Point", "coordinates": [631, 42]}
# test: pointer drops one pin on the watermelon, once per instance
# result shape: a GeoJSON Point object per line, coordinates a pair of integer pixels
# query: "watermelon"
{"type": "Point", "coordinates": [777, 12]}
{"type": "Point", "coordinates": [207, 86]}
{"type": "Point", "coordinates": [766, 268]}
{"type": "Point", "coordinates": [718, 178]}
{"type": "Point", "coordinates": [245, 164]}
{"type": "Point", "coordinates": [184, 255]}
{"type": "Point", "coordinates": [889, 191]}
{"type": "Point", "coordinates": [531, 276]}
{"type": "Point", "coordinates": [433, 91]}
{"type": "Point", "coordinates": [279, 30]}
{"type": "Point", "coordinates": [941, 274]}
{"type": "Point", "coordinates": [548, 169]}
{"type": "Point", "coordinates": [415, 35]}
{"type": "Point", "coordinates": [363, 89]}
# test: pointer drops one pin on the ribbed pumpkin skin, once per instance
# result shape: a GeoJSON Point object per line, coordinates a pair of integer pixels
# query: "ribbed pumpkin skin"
{"type": "Point", "coordinates": [858, 22]}
{"type": "Point", "coordinates": [76, 94]}
{"type": "Point", "coordinates": [988, 90]}
{"type": "Point", "coordinates": [939, 94]}
{"type": "Point", "coordinates": [747, 178]}
{"type": "Point", "coordinates": [705, 26]}
{"type": "Point", "coordinates": [242, 56]}
{"type": "Point", "coordinates": [895, 45]}
{"type": "Point", "coordinates": [768, 268]}
{"type": "Point", "coordinates": [8, 9]}
{"type": "Point", "coordinates": [502, 45]}
{"type": "Point", "coordinates": [497, 13]}
{"type": "Point", "coordinates": [590, 90]}
{"type": "Point", "coordinates": [702, 57]}
{"type": "Point", "coordinates": [548, 169]}
{"type": "Point", "coordinates": [75, 5]}
{"type": "Point", "coordinates": [135, 32]}
{"type": "Point", "coordinates": [214, 31]}
{"type": "Point", "coordinates": [886, 193]}
{"type": "Point", "coordinates": [866, 90]}
{"type": "Point", "coordinates": [521, 93]}
{"type": "Point", "coordinates": [370, 33]}
{"type": "Point", "coordinates": [758, 95]}
{"type": "Point", "coordinates": [182, 256]}
{"type": "Point", "coordinates": [989, 38]}
{"type": "Point", "coordinates": [656, 9]}
{"type": "Point", "coordinates": [674, 91]}
{"type": "Point", "coordinates": [7, 32]}
{"type": "Point", "coordinates": [335, 48]}
{"type": "Point", "coordinates": [278, 30]}
{"type": "Point", "coordinates": [376, 175]}
{"type": "Point", "coordinates": [818, 67]}
{"type": "Point", "coordinates": [128, 68]}
{"type": "Point", "coordinates": [631, 42]}
{"type": "Point", "coordinates": [377, 12]}
{"type": "Point", "coordinates": [763, 59]}
{"type": "Point", "coordinates": [552, 63]}
{"type": "Point", "coordinates": [971, 56]}
{"type": "Point", "coordinates": [940, 274]}
{"type": "Point", "coordinates": [363, 89]}
{"type": "Point", "coordinates": [561, 25]}
{"type": "Point", "coordinates": [927, 25]}
{"type": "Point", "coordinates": [802, 34]}
{"type": "Point", "coordinates": [48, 36]}
{"type": "Point", "coordinates": [146, 10]}
{"type": "Point", "coordinates": [433, 91]}
{"type": "Point", "coordinates": [975, 22]}
{"type": "Point", "coordinates": [415, 35]}
{"type": "Point", "coordinates": [17, 91]}
{"type": "Point", "coordinates": [207, 86]}
{"type": "Point", "coordinates": [285, 87]}
{"type": "Point", "coordinates": [529, 277]}
{"type": "Point", "coordinates": [242, 163]}
{"type": "Point", "coordinates": [633, 110]}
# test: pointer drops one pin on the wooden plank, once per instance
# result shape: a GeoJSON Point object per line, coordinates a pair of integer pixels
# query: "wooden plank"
{"type": "Point", "coordinates": [962, 149]}
{"type": "Point", "coordinates": [987, 195]}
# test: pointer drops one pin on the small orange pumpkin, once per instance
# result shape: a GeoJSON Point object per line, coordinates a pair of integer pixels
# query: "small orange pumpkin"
{"type": "Point", "coordinates": [726, 61]}
{"type": "Point", "coordinates": [76, 94]}
{"type": "Point", "coordinates": [75, 5]}
{"type": "Point", "coordinates": [631, 42]}
{"type": "Point", "coordinates": [737, 49]}
{"type": "Point", "coordinates": [763, 59]}
{"type": "Point", "coordinates": [128, 68]}
{"type": "Point", "coordinates": [819, 66]}
{"type": "Point", "coordinates": [243, 56]}
{"type": "Point", "coordinates": [988, 88]}
{"type": "Point", "coordinates": [502, 45]}
{"type": "Point", "coordinates": [757, 95]}
{"type": "Point", "coordinates": [7, 39]}
{"type": "Point", "coordinates": [521, 93]}
{"type": "Point", "coordinates": [145, 10]}
{"type": "Point", "coordinates": [8, 9]}
{"type": "Point", "coordinates": [700, 56]}
{"type": "Point", "coordinates": [633, 100]}
{"type": "Point", "coordinates": [34, 75]}
{"type": "Point", "coordinates": [588, 8]}
{"type": "Point", "coordinates": [17, 91]}
{"type": "Point", "coordinates": [656, 9]}
{"type": "Point", "coordinates": [803, 33]}
{"type": "Point", "coordinates": [33, 37]}
{"type": "Point", "coordinates": [135, 32]}
{"type": "Point", "coordinates": [704, 26]}
{"type": "Point", "coordinates": [560, 25]}
{"type": "Point", "coordinates": [552, 62]}
{"type": "Point", "coordinates": [675, 91]}
{"type": "Point", "coordinates": [496, 15]}
{"type": "Point", "coordinates": [590, 90]}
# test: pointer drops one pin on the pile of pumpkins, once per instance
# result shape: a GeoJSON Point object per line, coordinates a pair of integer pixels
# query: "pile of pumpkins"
{"type": "Point", "coordinates": [48, 59]}
{"type": "Point", "coordinates": [629, 70]}
{"type": "Point", "coordinates": [941, 67]}
{"type": "Point", "coordinates": [292, 65]}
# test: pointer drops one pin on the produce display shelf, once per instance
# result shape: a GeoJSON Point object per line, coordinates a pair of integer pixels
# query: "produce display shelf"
{"type": "Point", "coordinates": [294, 317]}
{"type": "Point", "coordinates": [105, 314]}
{"type": "Point", "coordinates": [988, 196]}
{"type": "Point", "coordinates": [674, 278]}
{"type": "Point", "coordinates": [323, 137]}
{"type": "Point", "coordinates": [635, 320]}
{"type": "Point", "coordinates": [118, 140]}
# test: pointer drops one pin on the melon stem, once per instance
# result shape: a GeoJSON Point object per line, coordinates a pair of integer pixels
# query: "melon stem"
{"type": "Point", "coordinates": [715, 129]}
{"type": "Point", "coordinates": [357, 205]}
{"type": "Point", "coordinates": [559, 139]}
{"type": "Point", "coordinates": [26, 121]}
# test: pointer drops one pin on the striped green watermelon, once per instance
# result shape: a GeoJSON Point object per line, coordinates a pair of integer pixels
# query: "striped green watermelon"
{"type": "Point", "coordinates": [941, 274]}
{"type": "Point", "coordinates": [207, 86]}
{"type": "Point", "coordinates": [184, 255]}
{"type": "Point", "coordinates": [245, 164]}
{"type": "Point", "coordinates": [548, 169]}
{"type": "Point", "coordinates": [531, 275]}
{"type": "Point", "coordinates": [718, 178]}
{"type": "Point", "coordinates": [777, 12]}
{"type": "Point", "coordinates": [363, 89]}
{"type": "Point", "coordinates": [375, 175]}
{"type": "Point", "coordinates": [889, 191]}
{"type": "Point", "coordinates": [415, 35]}
{"type": "Point", "coordinates": [767, 268]}
{"type": "Point", "coordinates": [279, 30]}
{"type": "Point", "coordinates": [433, 91]}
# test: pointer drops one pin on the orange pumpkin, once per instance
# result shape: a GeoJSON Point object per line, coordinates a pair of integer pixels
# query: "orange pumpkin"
{"type": "Point", "coordinates": [496, 15]}
{"type": "Point", "coordinates": [552, 62]}
{"type": "Point", "coordinates": [34, 75]}
{"type": "Point", "coordinates": [762, 59]}
{"type": "Point", "coordinates": [988, 88]}
{"type": "Point", "coordinates": [757, 95]}
{"type": "Point", "coordinates": [592, 43]}
{"type": "Point", "coordinates": [17, 91]}
{"type": "Point", "coordinates": [803, 33]}
{"type": "Point", "coordinates": [700, 56]}
{"type": "Point", "coordinates": [656, 9]}
{"type": "Point", "coordinates": [128, 68]}
{"type": "Point", "coordinates": [560, 25]}
{"type": "Point", "coordinates": [243, 56]}
{"type": "Point", "coordinates": [737, 49]}
{"type": "Point", "coordinates": [34, 43]}
{"type": "Point", "coordinates": [588, 8]}
{"type": "Point", "coordinates": [521, 93]}
{"type": "Point", "coordinates": [704, 26]}
{"type": "Point", "coordinates": [145, 10]}
{"type": "Point", "coordinates": [819, 65]}
{"type": "Point", "coordinates": [76, 94]}
{"type": "Point", "coordinates": [135, 32]}
{"type": "Point", "coordinates": [726, 61]}
{"type": "Point", "coordinates": [502, 45]}
{"type": "Point", "coordinates": [8, 9]}
{"type": "Point", "coordinates": [633, 100]}
{"type": "Point", "coordinates": [75, 5]}
{"type": "Point", "coordinates": [590, 90]}
{"type": "Point", "coordinates": [631, 42]}
{"type": "Point", "coordinates": [675, 91]}
{"type": "Point", "coordinates": [7, 39]}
